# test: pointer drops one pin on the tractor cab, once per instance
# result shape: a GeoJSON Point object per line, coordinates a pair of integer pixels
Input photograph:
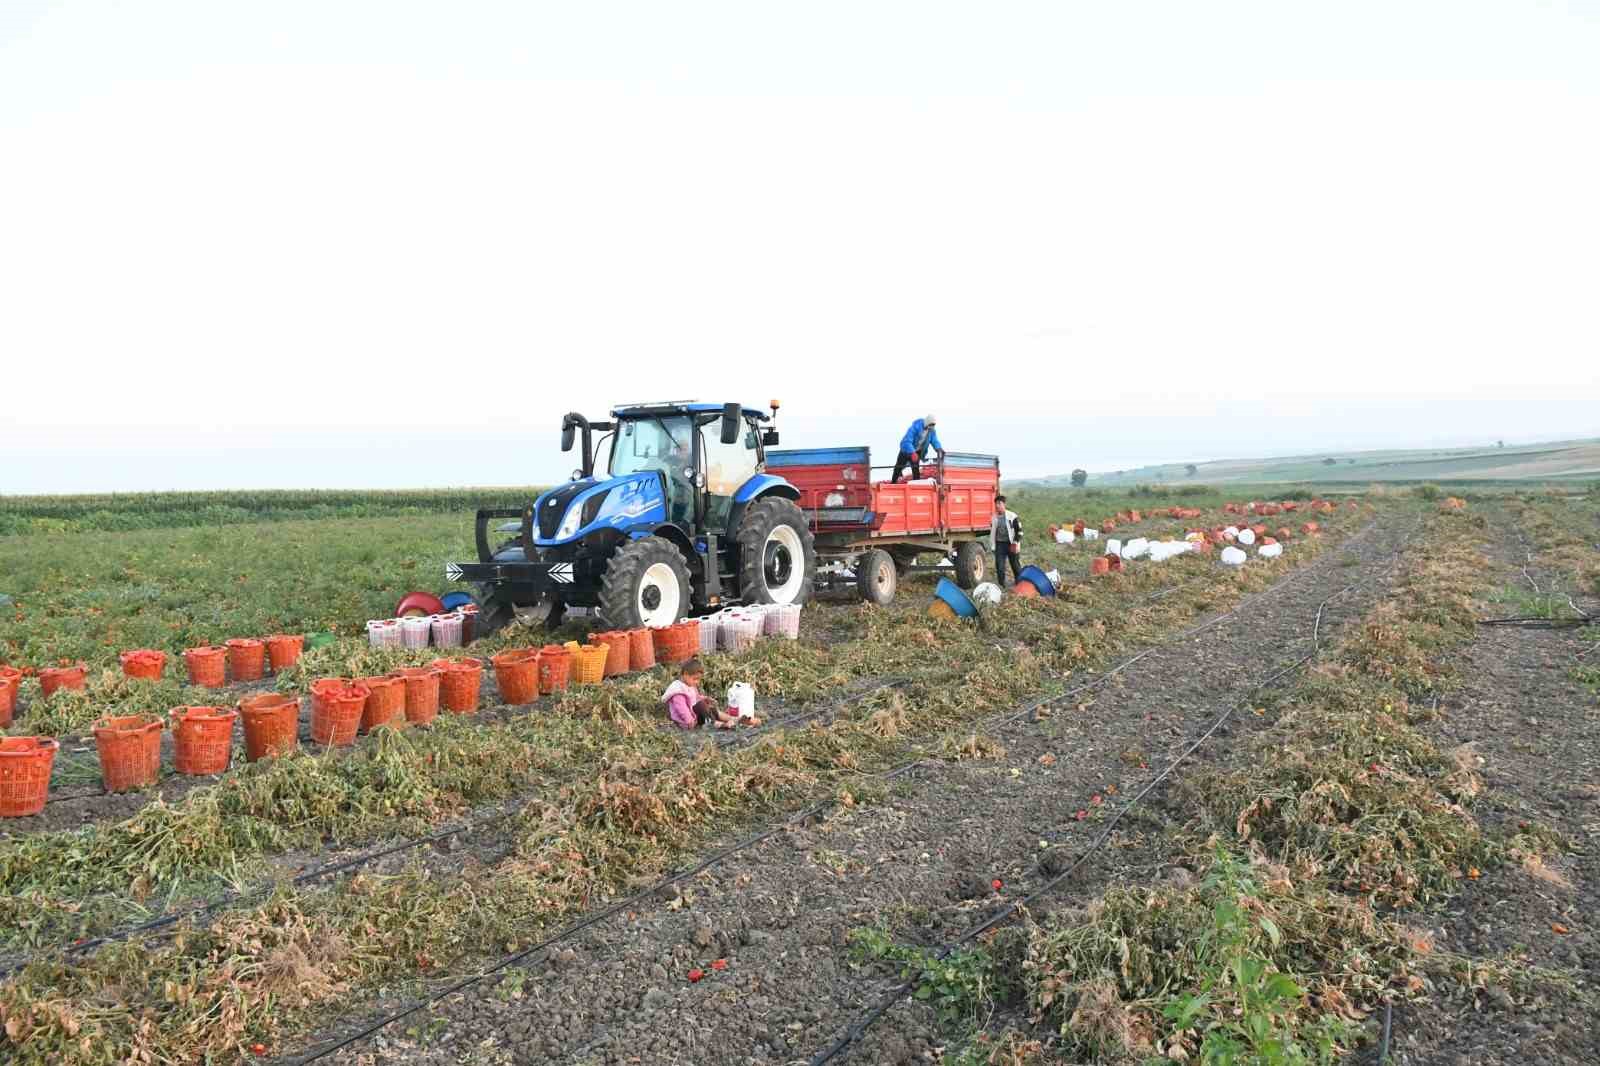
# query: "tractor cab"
{"type": "Point", "coordinates": [700, 454]}
{"type": "Point", "coordinates": [684, 518]}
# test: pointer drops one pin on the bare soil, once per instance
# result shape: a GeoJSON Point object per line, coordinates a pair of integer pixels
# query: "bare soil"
{"type": "Point", "coordinates": [923, 857]}
{"type": "Point", "coordinates": [1536, 732]}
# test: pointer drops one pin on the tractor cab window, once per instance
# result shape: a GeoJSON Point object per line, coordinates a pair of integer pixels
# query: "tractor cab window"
{"type": "Point", "coordinates": [727, 466]}
{"type": "Point", "coordinates": [658, 444]}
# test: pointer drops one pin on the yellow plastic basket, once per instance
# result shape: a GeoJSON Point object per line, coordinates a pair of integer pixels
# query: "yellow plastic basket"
{"type": "Point", "coordinates": [589, 664]}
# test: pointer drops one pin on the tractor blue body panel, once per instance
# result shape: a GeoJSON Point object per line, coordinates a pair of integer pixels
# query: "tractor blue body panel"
{"type": "Point", "coordinates": [631, 501]}
{"type": "Point", "coordinates": [777, 460]}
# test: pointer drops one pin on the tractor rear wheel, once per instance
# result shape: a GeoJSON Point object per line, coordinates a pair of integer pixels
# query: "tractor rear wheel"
{"type": "Point", "coordinates": [876, 578]}
{"type": "Point", "coordinates": [972, 564]}
{"type": "Point", "coordinates": [645, 584]}
{"type": "Point", "coordinates": [777, 558]}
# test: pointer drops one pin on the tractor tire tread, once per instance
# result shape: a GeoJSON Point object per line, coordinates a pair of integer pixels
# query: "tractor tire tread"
{"type": "Point", "coordinates": [618, 584]}
{"type": "Point", "coordinates": [758, 521]}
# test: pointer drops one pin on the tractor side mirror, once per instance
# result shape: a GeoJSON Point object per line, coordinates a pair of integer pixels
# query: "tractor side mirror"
{"type": "Point", "coordinates": [730, 423]}
{"type": "Point", "coordinates": [769, 438]}
{"type": "Point", "coordinates": [566, 436]}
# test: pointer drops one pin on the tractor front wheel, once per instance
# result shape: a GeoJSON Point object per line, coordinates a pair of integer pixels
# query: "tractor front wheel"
{"type": "Point", "coordinates": [777, 558]}
{"type": "Point", "coordinates": [645, 584]}
{"type": "Point", "coordinates": [493, 613]}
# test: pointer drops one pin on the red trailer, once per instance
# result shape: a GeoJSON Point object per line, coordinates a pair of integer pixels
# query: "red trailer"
{"type": "Point", "coordinates": [878, 530]}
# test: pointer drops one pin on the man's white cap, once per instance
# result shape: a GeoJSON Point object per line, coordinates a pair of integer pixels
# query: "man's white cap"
{"type": "Point", "coordinates": [930, 420]}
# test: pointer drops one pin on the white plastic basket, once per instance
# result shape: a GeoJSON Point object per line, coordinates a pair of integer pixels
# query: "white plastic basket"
{"type": "Point", "coordinates": [447, 630]}
{"type": "Point", "coordinates": [414, 632]}
{"type": "Point", "coordinates": [787, 622]}
{"type": "Point", "coordinates": [738, 631]}
{"type": "Point", "coordinates": [709, 625]}
{"type": "Point", "coordinates": [384, 632]}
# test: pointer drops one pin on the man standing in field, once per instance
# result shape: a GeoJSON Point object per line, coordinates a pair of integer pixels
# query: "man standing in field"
{"type": "Point", "coordinates": [1005, 538]}
{"type": "Point", "coordinates": [914, 447]}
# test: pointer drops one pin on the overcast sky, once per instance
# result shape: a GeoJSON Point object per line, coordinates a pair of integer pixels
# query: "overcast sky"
{"type": "Point", "coordinates": [388, 244]}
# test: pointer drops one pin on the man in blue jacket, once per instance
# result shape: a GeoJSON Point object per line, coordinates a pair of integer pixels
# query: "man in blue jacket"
{"type": "Point", "coordinates": [914, 447]}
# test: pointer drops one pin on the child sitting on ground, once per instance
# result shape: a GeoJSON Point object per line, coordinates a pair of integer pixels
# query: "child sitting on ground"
{"type": "Point", "coordinates": [688, 708]}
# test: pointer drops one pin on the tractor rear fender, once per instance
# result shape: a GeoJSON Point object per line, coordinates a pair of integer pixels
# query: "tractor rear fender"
{"type": "Point", "coordinates": [758, 487]}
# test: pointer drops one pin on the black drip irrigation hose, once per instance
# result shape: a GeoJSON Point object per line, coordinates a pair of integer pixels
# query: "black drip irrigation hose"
{"type": "Point", "coordinates": [572, 930]}
{"type": "Point", "coordinates": [231, 899]}
{"type": "Point", "coordinates": [588, 921]}
{"type": "Point", "coordinates": [249, 895]}
{"type": "Point", "coordinates": [1535, 622]}
{"type": "Point", "coordinates": [858, 1029]}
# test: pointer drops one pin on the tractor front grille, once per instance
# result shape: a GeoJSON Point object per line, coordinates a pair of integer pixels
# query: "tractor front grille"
{"type": "Point", "coordinates": [553, 508]}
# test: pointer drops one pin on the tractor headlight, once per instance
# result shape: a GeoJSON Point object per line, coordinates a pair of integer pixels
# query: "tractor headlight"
{"type": "Point", "coordinates": [570, 524]}
{"type": "Point", "coordinates": [580, 516]}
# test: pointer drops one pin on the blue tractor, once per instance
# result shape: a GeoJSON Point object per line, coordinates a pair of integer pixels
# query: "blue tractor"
{"type": "Point", "coordinates": [684, 520]}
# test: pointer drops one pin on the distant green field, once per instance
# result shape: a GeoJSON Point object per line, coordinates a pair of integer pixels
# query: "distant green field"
{"type": "Point", "coordinates": [123, 511]}
{"type": "Point", "coordinates": [1557, 461]}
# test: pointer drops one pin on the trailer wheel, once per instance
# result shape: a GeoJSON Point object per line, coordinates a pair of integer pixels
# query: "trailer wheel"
{"type": "Point", "coordinates": [876, 578]}
{"type": "Point", "coordinates": [777, 559]}
{"type": "Point", "coordinates": [972, 564]}
{"type": "Point", "coordinates": [645, 584]}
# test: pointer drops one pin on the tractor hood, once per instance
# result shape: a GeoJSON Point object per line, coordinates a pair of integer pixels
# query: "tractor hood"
{"type": "Point", "coordinates": [578, 508]}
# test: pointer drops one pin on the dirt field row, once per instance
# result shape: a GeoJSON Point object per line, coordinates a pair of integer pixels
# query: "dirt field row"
{"type": "Point", "coordinates": [925, 855]}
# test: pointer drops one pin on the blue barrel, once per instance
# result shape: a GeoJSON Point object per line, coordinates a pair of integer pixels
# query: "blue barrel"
{"type": "Point", "coordinates": [1038, 579]}
{"type": "Point", "coordinates": [456, 600]}
{"type": "Point", "coordinates": [959, 601]}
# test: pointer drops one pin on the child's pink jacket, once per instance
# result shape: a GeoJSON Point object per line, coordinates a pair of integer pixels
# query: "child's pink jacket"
{"type": "Point", "coordinates": [680, 700]}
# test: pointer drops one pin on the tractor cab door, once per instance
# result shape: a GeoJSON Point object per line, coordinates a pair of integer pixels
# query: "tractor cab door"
{"type": "Point", "coordinates": [726, 467]}
{"type": "Point", "coordinates": [661, 445]}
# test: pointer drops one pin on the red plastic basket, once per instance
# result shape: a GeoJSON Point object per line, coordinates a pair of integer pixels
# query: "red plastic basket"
{"type": "Point", "coordinates": [459, 682]}
{"type": "Point", "coordinates": [641, 650]}
{"type": "Point", "coordinates": [208, 666]}
{"type": "Point", "coordinates": [247, 658]}
{"type": "Point", "coordinates": [25, 764]}
{"type": "Point", "coordinates": [145, 664]}
{"type": "Point", "coordinates": [555, 668]}
{"type": "Point", "coordinates": [130, 751]}
{"type": "Point", "coordinates": [55, 677]}
{"type": "Point", "coordinates": [386, 702]}
{"type": "Point", "coordinates": [271, 725]}
{"type": "Point", "coordinates": [677, 642]}
{"type": "Point", "coordinates": [10, 681]}
{"type": "Point", "coordinates": [422, 693]}
{"type": "Point", "coordinates": [283, 650]}
{"type": "Point", "coordinates": [619, 658]}
{"type": "Point", "coordinates": [516, 675]}
{"type": "Point", "coordinates": [336, 706]}
{"type": "Point", "coordinates": [202, 739]}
